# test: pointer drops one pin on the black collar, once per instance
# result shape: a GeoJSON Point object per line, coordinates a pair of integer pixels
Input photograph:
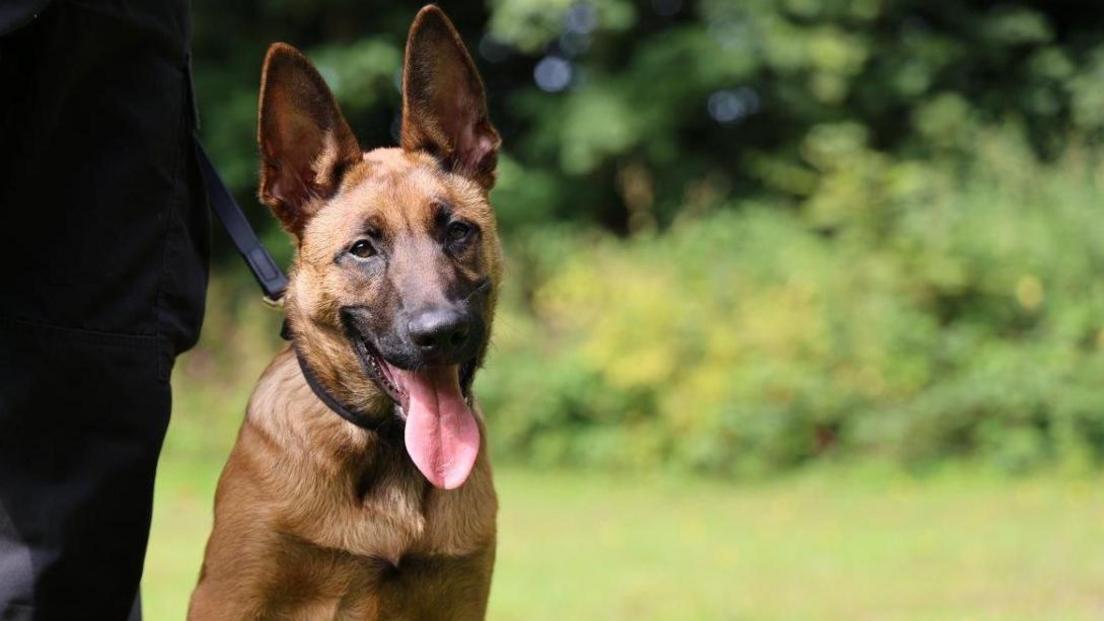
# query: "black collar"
{"type": "Point", "coordinates": [356, 418]}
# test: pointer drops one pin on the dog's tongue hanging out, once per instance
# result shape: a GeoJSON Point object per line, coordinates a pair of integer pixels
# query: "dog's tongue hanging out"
{"type": "Point", "coordinates": [442, 436]}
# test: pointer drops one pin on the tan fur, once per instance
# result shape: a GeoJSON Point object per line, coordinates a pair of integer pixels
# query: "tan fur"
{"type": "Point", "coordinates": [316, 518]}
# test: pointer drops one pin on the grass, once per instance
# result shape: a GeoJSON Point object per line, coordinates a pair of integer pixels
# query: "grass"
{"type": "Point", "coordinates": [824, 545]}
{"type": "Point", "coordinates": [827, 544]}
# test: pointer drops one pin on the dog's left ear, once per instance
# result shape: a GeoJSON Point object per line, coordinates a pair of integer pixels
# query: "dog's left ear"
{"type": "Point", "coordinates": [444, 107]}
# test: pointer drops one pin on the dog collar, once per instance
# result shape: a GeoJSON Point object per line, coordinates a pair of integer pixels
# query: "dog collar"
{"type": "Point", "coordinates": [332, 402]}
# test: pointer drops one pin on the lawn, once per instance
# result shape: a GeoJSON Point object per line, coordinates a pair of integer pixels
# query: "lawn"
{"type": "Point", "coordinates": [829, 544]}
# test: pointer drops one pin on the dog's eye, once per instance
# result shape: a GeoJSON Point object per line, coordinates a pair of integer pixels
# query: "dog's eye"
{"type": "Point", "coordinates": [362, 248]}
{"type": "Point", "coordinates": [458, 231]}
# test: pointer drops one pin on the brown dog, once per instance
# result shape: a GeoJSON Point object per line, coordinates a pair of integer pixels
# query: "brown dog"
{"type": "Point", "coordinates": [359, 487]}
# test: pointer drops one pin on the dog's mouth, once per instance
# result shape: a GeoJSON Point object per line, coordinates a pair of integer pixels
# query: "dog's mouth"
{"type": "Point", "coordinates": [380, 371]}
{"type": "Point", "coordinates": [441, 434]}
{"type": "Point", "coordinates": [386, 375]}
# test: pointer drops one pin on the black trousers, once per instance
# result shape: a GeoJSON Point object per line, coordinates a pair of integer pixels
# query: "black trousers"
{"type": "Point", "coordinates": [103, 269]}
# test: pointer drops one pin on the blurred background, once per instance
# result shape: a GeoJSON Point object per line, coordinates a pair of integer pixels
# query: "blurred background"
{"type": "Point", "coordinates": [803, 316]}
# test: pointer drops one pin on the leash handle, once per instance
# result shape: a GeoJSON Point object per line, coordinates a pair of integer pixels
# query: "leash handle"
{"type": "Point", "coordinates": [264, 268]}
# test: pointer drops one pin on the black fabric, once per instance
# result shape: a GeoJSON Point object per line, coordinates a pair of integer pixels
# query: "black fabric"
{"type": "Point", "coordinates": [15, 14]}
{"type": "Point", "coordinates": [104, 248]}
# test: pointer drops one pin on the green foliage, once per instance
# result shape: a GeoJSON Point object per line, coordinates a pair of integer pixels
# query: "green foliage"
{"type": "Point", "coordinates": [936, 319]}
{"type": "Point", "coordinates": [747, 235]}
{"type": "Point", "coordinates": [666, 98]}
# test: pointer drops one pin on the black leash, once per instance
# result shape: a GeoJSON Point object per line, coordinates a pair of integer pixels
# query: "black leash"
{"type": "Point", "coordinates": [268, 275]}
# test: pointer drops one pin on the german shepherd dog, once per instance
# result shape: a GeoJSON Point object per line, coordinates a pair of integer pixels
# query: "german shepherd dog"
{"type": "Point", "coordinates": [359, 486]}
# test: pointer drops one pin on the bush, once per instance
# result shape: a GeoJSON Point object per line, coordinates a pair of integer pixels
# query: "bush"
{"type": "Point", "coordinates": [911, 316]}
{"type": "Point", "coordinates": [837, 238]}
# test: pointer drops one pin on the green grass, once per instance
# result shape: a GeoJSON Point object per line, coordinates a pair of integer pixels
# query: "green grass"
{"type": "Point", "coordinates": [824, 545]}
{"type": "Point", "coordinates": [830, 543]}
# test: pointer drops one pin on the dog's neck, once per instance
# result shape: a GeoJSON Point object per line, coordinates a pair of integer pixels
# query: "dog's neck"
{"type": "Point", "coordinates": [336, 367]}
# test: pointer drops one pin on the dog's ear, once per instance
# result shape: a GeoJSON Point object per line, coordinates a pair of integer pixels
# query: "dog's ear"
{"type": "Point", "coordinates": [306, 145]}
{"type": "Point", "coordinates": [444, 108]}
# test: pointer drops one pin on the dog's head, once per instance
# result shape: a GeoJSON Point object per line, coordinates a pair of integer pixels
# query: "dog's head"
{"type": "Point", "coordinates": [393, 287]}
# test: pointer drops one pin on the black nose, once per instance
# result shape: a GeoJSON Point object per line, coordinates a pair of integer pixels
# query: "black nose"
{"type": "Point", "coordinates": [441, 331]}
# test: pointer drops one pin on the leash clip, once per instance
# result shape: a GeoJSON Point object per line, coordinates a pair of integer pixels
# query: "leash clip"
{"type": "Point", "coordinates": [274, 303]}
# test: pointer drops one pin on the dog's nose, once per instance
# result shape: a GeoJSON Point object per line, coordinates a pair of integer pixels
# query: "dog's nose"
{"type": "Point", "coordinates": [441, 331]}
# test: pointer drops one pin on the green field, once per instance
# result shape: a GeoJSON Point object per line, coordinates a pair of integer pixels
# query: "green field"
{"type": "Point", "coordinates": [828, 544]}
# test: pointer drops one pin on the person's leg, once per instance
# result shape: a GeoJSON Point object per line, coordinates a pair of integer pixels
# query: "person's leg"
{"type": "Point", "coordinates": [103, 243]}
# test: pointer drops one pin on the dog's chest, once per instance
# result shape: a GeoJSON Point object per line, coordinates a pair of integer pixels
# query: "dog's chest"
{"type": "Point", "coordinates": [400, 517]}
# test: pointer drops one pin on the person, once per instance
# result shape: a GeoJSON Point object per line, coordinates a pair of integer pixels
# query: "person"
{"type": "Point", "coordinates": [104, 246]}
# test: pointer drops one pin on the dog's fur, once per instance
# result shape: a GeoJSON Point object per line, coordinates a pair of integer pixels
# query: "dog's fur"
{"type": "Point", "coordinates": [316, 518]}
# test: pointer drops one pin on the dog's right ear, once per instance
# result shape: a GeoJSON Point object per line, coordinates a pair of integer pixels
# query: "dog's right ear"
{"type": "Point", "coordinates": [306, 145]}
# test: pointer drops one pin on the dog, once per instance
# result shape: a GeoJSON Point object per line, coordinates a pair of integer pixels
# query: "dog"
{"type": "Point", "coordinates": [359, 486]}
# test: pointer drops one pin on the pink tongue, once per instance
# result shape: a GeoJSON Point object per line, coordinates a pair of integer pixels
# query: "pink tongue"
{"type": "Point", "coordinates": [441, 434]}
